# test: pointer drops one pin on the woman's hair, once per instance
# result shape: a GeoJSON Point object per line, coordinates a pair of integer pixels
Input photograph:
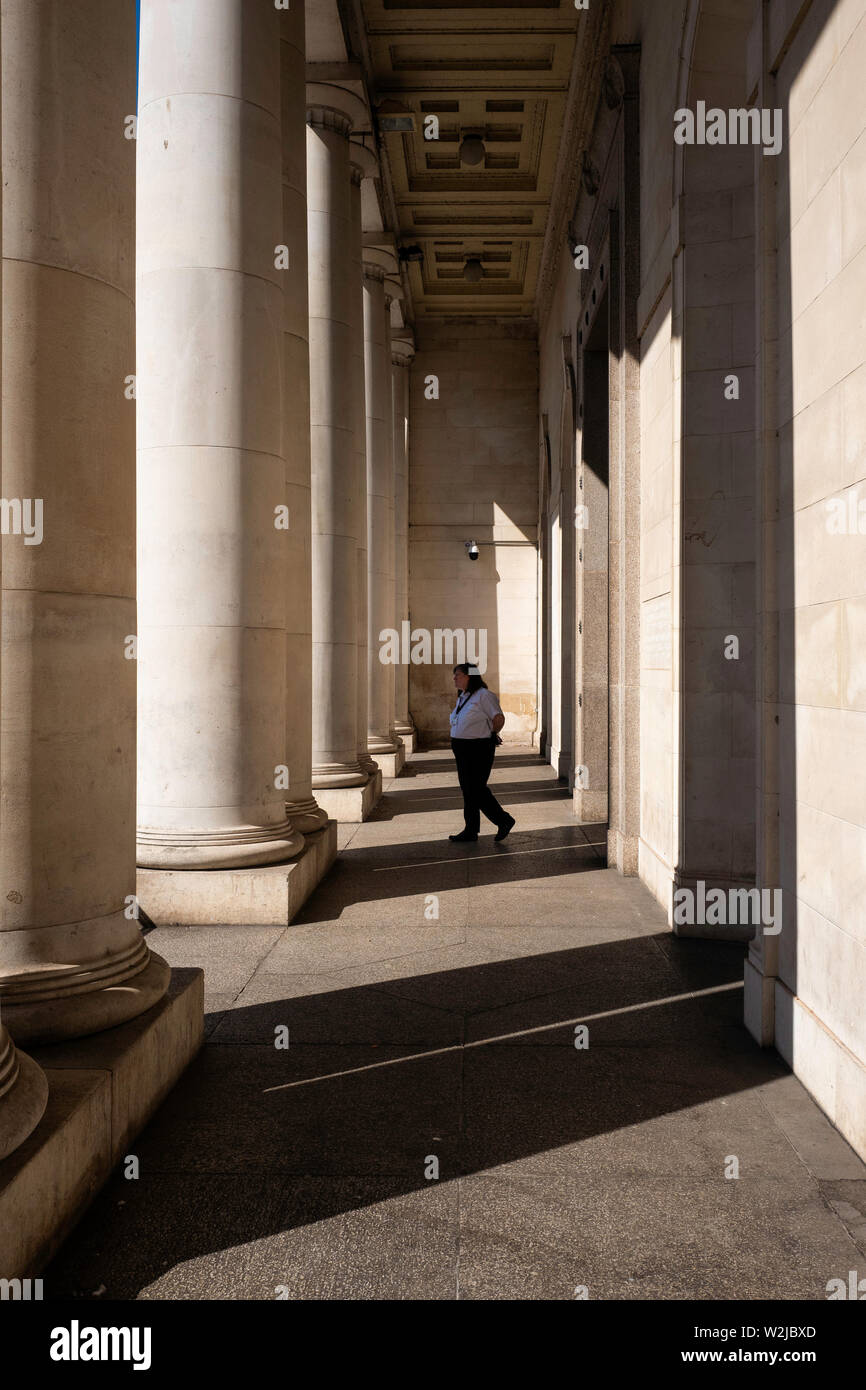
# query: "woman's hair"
{"type": "Point", "coordinates": [475, 682]}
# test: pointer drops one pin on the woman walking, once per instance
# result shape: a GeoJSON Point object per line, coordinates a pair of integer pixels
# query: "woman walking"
{"type": "Point", "coordinates": [475, 724]}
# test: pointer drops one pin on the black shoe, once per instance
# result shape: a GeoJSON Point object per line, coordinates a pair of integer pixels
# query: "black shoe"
{"type": "Point", "coordinates": [505, 828]}
{"type": "Point", "coordinates": [463, 838]}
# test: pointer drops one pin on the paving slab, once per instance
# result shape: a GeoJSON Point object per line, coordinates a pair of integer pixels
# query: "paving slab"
{"type": "Point", "coordinates": [432, 1132]}
{"type": "Point", "coordinates": [263, 1237]}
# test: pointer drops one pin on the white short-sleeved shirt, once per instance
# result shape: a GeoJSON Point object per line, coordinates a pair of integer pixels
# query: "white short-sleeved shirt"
{"type": "Point", "coordinates": [472, 716]}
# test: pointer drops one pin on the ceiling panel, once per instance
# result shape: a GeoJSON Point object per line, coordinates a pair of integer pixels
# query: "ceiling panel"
{"type": "Point", "coordinates": [497, 71]}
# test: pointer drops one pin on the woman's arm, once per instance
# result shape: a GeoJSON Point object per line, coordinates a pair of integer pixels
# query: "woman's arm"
{"type": "Point", "coordinates": [493, 710]}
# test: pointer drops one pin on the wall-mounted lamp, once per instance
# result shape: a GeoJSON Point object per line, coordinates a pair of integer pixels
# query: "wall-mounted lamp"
{"type": "Point", "coordinates": [473, 548]}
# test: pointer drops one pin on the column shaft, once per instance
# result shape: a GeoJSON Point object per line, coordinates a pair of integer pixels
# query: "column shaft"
{"type": "Point", "coordinates": [382, 736]}
{"type": "Point", "coordinates": [303, 810]}
{"type": "Point", "coordinates": [360, 153]}
{"type": "Point", "coordinates": [214, 573]}
{"type": "Point", "coordinates": [72, 957]}
{"type": "Point", "coordinates": [23, 1085]}
{"type": "Point", "coordinates": [334, 461]}
{"type": "Point", "coordinates": [401, 356]}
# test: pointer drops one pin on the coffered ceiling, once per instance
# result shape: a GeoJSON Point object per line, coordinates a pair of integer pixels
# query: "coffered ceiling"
{"type": "Point", "coordinates": [500, 71]}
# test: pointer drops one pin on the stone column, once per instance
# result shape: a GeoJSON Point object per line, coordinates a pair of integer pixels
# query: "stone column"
{"type": "Point", "coordinates": [402, 353]}
{"type": "Point", "coordinates": [364, 166]}
{"type": "Point", "coordinates": [761, 977]}
{"type": "Point", "coordinates": [214, 571]}
{"type": "Point", "coordinates": [331, 113]}
{"type": "Point", "coordinates": [306, 815]}
{"type": "Point", "coordinates": [72, 958]}
{"type": "Point", "coordinates": [382, 741]}
{"type": "Point", "coordinates": [23, 1085]}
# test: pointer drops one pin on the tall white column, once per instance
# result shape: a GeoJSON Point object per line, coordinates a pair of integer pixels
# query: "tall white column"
{"type": "Point", "coordinates": [402, 353]}
{"type": "Point", "coordinates": [23, 1085]}
{"type": "Point", "coordinates": [213, 557]}
{"type": "Point", "coordinates": [331, 114]}
{"type": "Point", "coordinates": [306, 815]}
{"type": "Point", "coordinates": [364, 166]}
{"type": "Point", "coordinates": [72, 958]}
{"type": "Point", "coordinates": [382, 736]}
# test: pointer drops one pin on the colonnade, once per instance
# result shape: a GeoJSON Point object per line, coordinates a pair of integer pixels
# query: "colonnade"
{"type": "Point", "coordinates": [226, 293]}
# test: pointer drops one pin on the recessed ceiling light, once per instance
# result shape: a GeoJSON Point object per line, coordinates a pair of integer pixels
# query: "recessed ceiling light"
{"type": "Point", "coordinates": [472, 150]}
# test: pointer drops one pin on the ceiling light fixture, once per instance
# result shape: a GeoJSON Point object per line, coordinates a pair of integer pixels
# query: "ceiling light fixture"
{"type": "Point", "coordinates": [472, 150]}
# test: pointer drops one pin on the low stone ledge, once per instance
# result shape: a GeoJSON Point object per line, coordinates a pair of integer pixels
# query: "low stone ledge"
{"type": "Point", "coordinates": [830, 1072]}
{"type": "Point", "coordinates": [268, 895]}
{"type": "Point", "coordinates": [144, 1057]}
{"type": "Point", "coordinates": [391, 764]}
{"type": "Point", "coordinates": [350, 805]}
{"type": "Point", "coordinates": [101, 1092]}
{"type": "Point", "coordinates": [409, 742]}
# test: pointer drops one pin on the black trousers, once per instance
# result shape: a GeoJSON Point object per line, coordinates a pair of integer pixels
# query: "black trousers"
{"type": "Point", "coordinates": [474, 758]}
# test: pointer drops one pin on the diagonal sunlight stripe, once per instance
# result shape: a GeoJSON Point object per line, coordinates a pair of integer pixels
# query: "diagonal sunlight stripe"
{"type": "Point", "coordinates": [455, 796]}
{"type": "Point", "coordinates": [503, 1037]}
{"type": "Point", "coordinates": [476, 858]}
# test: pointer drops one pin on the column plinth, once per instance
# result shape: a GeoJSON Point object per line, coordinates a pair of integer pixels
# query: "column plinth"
{"type": "Point", "coordinates": [23, 1095]}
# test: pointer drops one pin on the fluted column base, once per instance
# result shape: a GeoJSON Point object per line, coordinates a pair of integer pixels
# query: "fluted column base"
{"type": "Point", "coordinates": [238, 847]}
{"type": "Point", "coordinates": [307, 815]}
{"type": "Point", "coordinates": [377, 743]}
{"type": "Point", "coordinates": [338, 775]}
{"type": "Point", "coordinates": [23, 1095]}
{"type": "Point", "coordinates": [53, 1005]}
{"type": "Point", "coordinates": [404, 726]}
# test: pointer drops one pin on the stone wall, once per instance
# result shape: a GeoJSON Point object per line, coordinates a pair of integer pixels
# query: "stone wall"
{"type": "Point", "coordinates": [472, 477]}
{"type": "Point", "coordinates": [820, 555]}
{"type": "Point", "coordinates": [752, 508]}
{"type": "Point", "coordinates": [657, 29]}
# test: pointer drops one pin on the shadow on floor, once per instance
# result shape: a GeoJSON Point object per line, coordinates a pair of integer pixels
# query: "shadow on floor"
{"type": "Point", "coordinates": [413, 869]}
{"type": "Point", "coordinates": [474, 1067]}
{"type": "Point", "coordinates": [425, 763]}
{"type": "Point", "coordinates": [414, 802]}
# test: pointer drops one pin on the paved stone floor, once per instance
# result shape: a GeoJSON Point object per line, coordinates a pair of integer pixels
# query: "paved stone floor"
{"type": "Point", "coordinates": [431, 992]}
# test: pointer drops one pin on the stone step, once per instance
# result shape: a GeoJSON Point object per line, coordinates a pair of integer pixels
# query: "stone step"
{"type": "Point", "coordinates": [102, 1090]}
